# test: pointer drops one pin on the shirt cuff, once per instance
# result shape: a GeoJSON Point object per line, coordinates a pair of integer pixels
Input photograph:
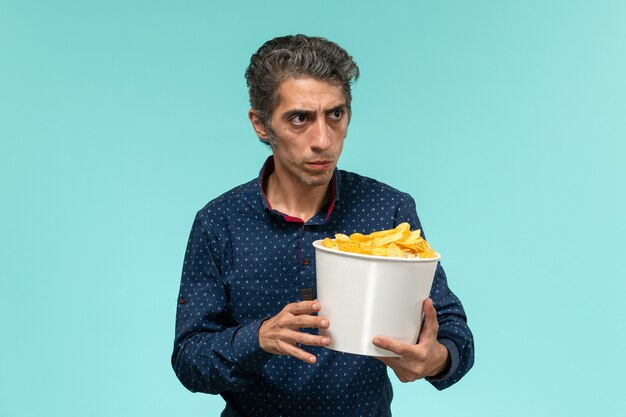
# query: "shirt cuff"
{"type": "Point", "coordinates": [454, 361]}
{"type": "Point", "coordinates": [248, 353]}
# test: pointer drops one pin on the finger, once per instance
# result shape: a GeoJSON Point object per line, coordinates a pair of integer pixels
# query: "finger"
{"type": "Point", "coordinates": [307, 339]}
{"type": "Point", "coordinates": [395, 346]}
{"type": "Point", "coordinates": [298, 353]}
{"type": "Point", "coordinates": [304, 322]}
{"type": "Point", "coordinates": [389, 361]}
{"type": "Point", "coordinates": [303, 307]}
{"type": "Point", "coordinates": [431, 326]}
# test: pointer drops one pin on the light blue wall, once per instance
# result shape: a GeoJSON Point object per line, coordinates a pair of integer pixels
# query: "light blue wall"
{"type": "Point", "coordinates": [504, 119]}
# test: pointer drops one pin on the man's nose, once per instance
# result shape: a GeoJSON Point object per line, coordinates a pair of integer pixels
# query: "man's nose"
{"type": "Point", "coordinates": [320, 134]}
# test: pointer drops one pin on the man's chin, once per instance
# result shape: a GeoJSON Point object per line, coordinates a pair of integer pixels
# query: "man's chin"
{"type": "Point", "coordinates": [319, 179]}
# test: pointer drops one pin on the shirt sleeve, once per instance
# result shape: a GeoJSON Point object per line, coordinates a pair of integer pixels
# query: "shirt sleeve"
{"type": "Point", "coordinates": [454, 333]}
{"type": "Point", "coordinates": [211, 352]}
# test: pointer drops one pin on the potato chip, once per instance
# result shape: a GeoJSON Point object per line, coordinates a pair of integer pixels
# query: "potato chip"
{"type": "Point", "coordinates": [399, 242]}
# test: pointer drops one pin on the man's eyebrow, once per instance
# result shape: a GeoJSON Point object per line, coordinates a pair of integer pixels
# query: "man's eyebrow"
{"type": "Point", "coordinates": [293, 112]}
{"type": "Point", "coordinates": [290, 113]}
{"type": "Point", "coordinates": [342, 106]}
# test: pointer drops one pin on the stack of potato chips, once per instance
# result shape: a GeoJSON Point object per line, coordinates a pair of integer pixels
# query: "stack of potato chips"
{"type": "Point", "coordinates": [399, 242]}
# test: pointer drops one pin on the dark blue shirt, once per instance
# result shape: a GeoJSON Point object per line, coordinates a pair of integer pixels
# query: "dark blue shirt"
{"type": "Point", "coordinates": [245, 262]}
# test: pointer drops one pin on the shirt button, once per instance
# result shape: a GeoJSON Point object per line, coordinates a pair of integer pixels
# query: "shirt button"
{"type": "Point", "coordinates": [181, 300]}
{"type": "Point", "coordinates": [305, 262]}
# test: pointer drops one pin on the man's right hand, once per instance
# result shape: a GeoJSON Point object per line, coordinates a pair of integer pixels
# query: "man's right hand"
{"type": "Point", "coordinates": [279, 334]}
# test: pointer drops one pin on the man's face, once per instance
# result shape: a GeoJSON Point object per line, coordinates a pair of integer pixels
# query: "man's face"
{"type": "Point", "coordinates": [309, 125]}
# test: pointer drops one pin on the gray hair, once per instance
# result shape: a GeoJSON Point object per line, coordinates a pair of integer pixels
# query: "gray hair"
{"type": "Point", "coordinates": [296, 56]}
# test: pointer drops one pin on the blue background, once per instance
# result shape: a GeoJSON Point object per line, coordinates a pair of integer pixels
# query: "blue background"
{"type": "Point", "coordinates": [120, 119]}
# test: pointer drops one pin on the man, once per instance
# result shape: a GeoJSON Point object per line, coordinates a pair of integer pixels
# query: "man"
{"type": "Point", "coordinates": [243, 330]}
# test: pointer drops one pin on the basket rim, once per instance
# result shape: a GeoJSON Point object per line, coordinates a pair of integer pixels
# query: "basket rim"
{"type": "Point", "coordinates": [318, 246]}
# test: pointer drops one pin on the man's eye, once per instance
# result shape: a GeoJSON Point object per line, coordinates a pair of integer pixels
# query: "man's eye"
{"type": "Point", "coordinates": [336, 114]}
{"type": "Point", "coordinates": [299, 119]}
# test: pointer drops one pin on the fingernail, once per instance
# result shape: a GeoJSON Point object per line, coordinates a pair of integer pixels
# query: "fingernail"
{"type": "Point", "coordinates": [377, 341]}
{"type": "Point", "coordinates": [315, 306]}
{"type": "Point", "coordinates": [311, 359]}
{"type": "Point", "coordinates": [324, 323]}
{"type": "Point", "coordinates": [326, 341]}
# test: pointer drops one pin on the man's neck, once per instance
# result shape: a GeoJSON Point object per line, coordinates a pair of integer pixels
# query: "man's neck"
{"type": "Point", "coordinates": [296, 199]}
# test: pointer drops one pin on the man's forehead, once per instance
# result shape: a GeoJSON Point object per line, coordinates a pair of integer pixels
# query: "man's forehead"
{"type": "Point", "coordinates": [309, 92]}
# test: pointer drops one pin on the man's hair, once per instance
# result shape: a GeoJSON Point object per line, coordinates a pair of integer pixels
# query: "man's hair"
{"type": "Point", "coordinates": [296, 56]}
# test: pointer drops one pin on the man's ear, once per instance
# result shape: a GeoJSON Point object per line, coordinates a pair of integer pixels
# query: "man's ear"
{"type": "Point", "coordinates": [258, 125]}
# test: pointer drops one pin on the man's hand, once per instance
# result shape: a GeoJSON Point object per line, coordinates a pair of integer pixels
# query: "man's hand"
{"type": "Point", "coordinates": [427, 358]}
{"type": "Point", "coordinates": [279, 334]}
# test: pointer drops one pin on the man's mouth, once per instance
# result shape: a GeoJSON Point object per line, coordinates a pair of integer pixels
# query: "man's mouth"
{"type": "Point", "coordinates": [322, 164]}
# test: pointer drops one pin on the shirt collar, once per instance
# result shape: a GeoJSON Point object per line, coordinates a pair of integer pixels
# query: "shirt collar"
{"type": "Point", "coordinates": [335, 182]}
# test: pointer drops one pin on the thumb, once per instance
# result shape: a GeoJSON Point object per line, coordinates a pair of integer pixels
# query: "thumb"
{"type": "Point", "coordinates": [430, 327]}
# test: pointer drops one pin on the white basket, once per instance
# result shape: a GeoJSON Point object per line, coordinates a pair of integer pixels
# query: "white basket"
{"type": "Point", "coordinates": [365, 296]}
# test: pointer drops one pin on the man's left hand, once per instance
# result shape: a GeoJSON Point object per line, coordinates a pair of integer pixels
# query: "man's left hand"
{"type": "Point", "coordinates": [426, 358]}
